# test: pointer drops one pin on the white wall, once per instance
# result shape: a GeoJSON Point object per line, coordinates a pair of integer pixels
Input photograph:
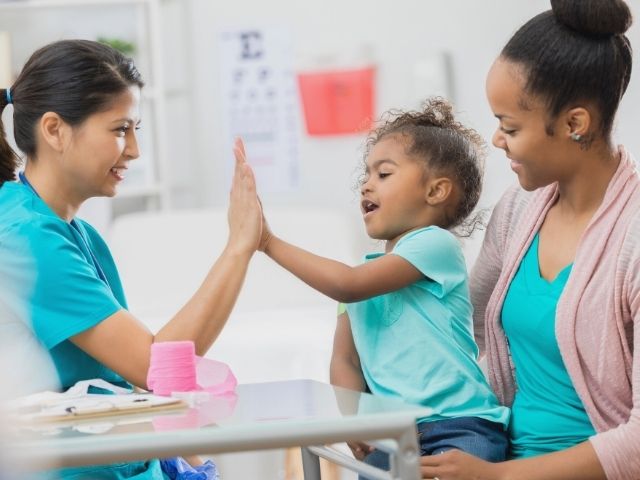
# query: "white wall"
{"type": "Point", "coordinates": [398, 34]}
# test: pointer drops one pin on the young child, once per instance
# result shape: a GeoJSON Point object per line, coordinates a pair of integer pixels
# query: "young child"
{"type": "Point", "coordinates": [407, 330]}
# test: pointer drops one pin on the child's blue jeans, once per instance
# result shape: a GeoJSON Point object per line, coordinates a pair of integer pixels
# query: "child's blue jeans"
{"type": "Point", "coordinates": [477, 436]}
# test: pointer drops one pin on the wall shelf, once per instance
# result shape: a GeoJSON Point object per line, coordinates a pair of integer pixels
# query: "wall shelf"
{"type": "Point", "coordinates": [40, 4]}
{"type": "Point", "coordinates": [142, 22]}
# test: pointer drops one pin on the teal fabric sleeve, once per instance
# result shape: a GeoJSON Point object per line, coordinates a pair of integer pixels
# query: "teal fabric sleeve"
{"type": "Point", "coordinates": [436, 253]}
{"type": "Point", "coordinates": [103, 254]}
{"type": "Point", "coordinates": [67, 296]}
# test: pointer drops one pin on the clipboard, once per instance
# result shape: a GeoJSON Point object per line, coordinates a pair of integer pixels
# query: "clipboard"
{"type": "Point", "coordinates": [95, 406]}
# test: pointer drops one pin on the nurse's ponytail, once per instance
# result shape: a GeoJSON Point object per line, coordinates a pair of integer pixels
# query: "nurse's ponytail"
{"type": "Point", "coordinates": [8, 158]}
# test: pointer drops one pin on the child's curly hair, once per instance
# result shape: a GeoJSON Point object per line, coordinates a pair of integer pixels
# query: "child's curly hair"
{"type": "Point", "coordinates": [448, 148]}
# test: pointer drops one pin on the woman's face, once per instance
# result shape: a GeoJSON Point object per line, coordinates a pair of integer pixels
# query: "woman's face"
{"type": "Point", "coordinates": [102, 147]}
{"type": "Point", "coordinates": [536, 157]}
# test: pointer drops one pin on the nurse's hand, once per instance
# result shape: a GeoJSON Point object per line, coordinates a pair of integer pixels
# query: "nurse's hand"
{"type": "Point", "coordinates": [245, 211]}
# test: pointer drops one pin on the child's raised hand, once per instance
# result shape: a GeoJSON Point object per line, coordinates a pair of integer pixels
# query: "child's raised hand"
{"type": "Point", "coordinates": [245, 211]}
{"type": "Point", "coordinates": [267, 235]}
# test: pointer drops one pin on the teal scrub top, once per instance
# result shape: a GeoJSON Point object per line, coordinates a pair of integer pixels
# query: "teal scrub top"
{"type": "Point", "coordinates": [59, 279]}
{"type": "Point", "coordinates": [56, 267]}
{"type": "Point", "coordinates": [547, 414]}
{"type": "Point", "coordinates": [417, 343]}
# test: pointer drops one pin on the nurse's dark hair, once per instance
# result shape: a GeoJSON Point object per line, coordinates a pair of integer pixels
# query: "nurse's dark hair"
{"type": "Point", "coordinates": [446, 147]}
{"type": "Point", "coordinates": [576, 52]}
{"type": "Point", "coordinates": [73, 78]}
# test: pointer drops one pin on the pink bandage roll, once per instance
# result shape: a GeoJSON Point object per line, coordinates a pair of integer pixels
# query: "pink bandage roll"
{"type": "Point", "coordinates": [174, 367]}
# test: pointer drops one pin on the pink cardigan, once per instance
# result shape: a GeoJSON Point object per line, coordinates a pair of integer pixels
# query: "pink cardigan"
{"type": "Point", "coordinates": [598, 314]}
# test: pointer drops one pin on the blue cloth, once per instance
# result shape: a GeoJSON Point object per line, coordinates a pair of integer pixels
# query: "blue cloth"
{"type": "Point", "coordinates": [417, 343]}
{"type": "Point", "coordinates": [481, 438]}
{"type": "Point", "coordinates": [547, 414]}
{"type": "Point", "coordinates": [180, 469]}
{"type": "Point", "coordinates": [50, 279]}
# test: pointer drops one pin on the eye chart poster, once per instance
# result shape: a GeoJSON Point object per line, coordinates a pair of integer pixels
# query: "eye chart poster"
{"type": "Point", "coordinates": [260, 103]}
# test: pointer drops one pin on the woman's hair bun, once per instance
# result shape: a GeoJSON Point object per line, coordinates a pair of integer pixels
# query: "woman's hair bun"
{"type": "Point", "coordinates": [594, 17]}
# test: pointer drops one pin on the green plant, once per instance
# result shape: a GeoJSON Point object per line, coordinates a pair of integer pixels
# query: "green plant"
{"type": "Point", "coordinates": [123, 46]}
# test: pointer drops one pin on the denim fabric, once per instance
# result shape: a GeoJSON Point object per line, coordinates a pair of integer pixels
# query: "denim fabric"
{"type": "Point", "coordinates": [479, 437]}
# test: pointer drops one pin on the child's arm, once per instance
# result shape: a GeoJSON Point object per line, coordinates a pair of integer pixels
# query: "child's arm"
{"type": "Point", "coordinates": [345, 368]}
{"type": "Point", "coordinates": [346, 372]}
{"type": "Point", "coordinates": [339, 281]}
{"type": "Point", "coordinates": [335, 279]}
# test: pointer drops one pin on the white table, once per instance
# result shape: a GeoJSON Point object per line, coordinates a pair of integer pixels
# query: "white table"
{"type": "Point", "coordinates": [261, 416]}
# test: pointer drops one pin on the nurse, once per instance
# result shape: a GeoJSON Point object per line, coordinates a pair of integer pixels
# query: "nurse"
{"type": "Point", "coordinates": [64, 313]}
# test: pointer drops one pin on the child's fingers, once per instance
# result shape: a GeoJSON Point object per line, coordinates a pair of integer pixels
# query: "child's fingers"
{"type": "Point", "coordinates": [261, 208]}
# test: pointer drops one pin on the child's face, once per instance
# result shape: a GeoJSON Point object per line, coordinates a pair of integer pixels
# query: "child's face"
{"type": "Point", "coordinates": [537, 158]}
{"type": "Point", "coordinates": [394, 199]}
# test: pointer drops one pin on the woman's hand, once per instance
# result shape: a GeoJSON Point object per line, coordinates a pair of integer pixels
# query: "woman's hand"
{"type": "Point", "coordinates": [360, 449]}
{"type": "Point", "coordinates": [245, 211]}
{"type": "Point", "coordinates": [458, 465]}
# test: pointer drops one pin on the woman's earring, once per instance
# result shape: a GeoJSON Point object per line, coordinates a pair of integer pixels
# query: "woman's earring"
{"type": "Point", "coordinates": [576, 137]}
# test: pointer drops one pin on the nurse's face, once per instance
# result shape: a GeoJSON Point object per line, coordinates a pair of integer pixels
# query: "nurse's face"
{"type": "Point", "coordinates": [98, 156]}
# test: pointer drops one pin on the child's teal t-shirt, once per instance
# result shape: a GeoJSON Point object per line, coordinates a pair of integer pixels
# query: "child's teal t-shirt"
{"type": "Point", "coordinates": [57, 280]}
{"type": "Point", "coordinates": [417, 343]}
{"type": "Point", "coordinates": [547, 414]}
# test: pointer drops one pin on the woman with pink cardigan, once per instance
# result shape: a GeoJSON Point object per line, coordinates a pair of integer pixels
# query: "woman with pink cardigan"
{"type": "Point", "coordinates": [556, 287]}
